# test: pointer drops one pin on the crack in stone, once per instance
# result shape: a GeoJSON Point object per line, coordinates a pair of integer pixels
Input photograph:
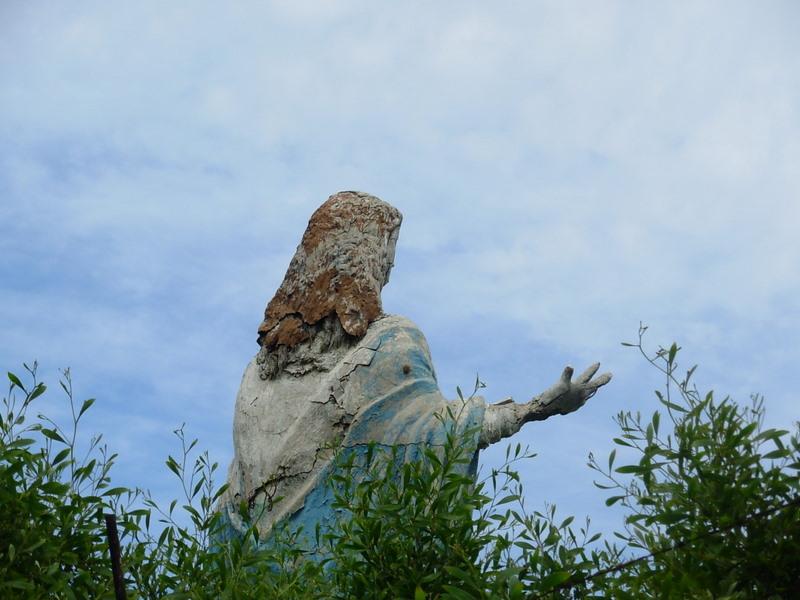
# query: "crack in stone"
{"type": "Point", "coordinates": [342, 424]}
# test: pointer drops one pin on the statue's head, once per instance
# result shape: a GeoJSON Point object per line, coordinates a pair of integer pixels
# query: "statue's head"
{"type": "Point", "coordinates": [335, 278]}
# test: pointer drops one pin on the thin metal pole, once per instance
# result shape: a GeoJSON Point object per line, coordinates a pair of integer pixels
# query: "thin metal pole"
{"type": "Point", "coordinates": [116, 562]}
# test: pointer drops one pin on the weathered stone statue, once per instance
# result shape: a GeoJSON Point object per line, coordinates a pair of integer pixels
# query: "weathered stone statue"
{"type": "Point", "coordinates": [334, 372]}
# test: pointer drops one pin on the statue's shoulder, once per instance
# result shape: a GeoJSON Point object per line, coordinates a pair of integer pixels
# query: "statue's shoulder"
{"type": "Point", "coordinates": [393, 329]}
{"type": "Point", "coordinates": [396, 353]}
{"type": "Point", "coordinates": [398, 336]}
{"type": "Point", "coordinates": [392, 322]}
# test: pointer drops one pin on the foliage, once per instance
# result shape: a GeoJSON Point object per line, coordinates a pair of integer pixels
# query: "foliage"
{"type": "Point", "coordinates": [710, 498]}
{"type": "Point", "coordinates": [52, 501]}
{"type": "Point", "coordinates": [713, 496]}
{"type": "Point", "coordinates": [53, 540]}
{"type": "Point", "coordinates": [186, 561]}
{"type": "Point", "coordinates": [428, 529]}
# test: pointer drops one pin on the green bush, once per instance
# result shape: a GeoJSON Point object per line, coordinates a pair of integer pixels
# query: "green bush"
{"type": "Point", "coordinates": [426, 529]}
{"type": "Point", "coordinates": [714, 497]}
{"type": "Point", "coordinates": [186, 561]}
{"type": "Point", "coordinates": [53, 541]}
{"type": "Point", "coordinates": [710, 497]}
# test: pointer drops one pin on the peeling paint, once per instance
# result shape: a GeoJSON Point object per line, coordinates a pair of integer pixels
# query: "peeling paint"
{"type": "Point", "coordinates": [375, 401]}
{"type": "Point", "coordinates": [336, 275]}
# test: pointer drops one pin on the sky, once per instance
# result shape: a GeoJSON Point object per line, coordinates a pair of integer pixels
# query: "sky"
{"type": "Point", "coordinates": [566, 170]}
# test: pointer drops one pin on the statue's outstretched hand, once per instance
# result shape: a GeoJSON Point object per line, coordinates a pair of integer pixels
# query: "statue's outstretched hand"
{"type": "Point", "coordinates": [505, 418]}
{"type": "Point", "coordinates": [567, 395]}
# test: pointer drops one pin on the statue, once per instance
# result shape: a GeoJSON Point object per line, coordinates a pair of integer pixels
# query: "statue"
{"type": "Point", "coordinates": [334, 372]}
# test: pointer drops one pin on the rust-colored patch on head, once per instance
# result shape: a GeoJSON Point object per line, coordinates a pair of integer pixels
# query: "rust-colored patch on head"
{"type": "Point", "coordinates": [338, 269]}
{"type": "Point", "coordinates": [290, 333]}
{"type": "Point", "coordinates": [349, 208]}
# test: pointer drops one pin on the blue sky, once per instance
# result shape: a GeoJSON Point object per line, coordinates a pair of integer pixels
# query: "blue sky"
{"type": "Point", "coordinates": [566, 170]}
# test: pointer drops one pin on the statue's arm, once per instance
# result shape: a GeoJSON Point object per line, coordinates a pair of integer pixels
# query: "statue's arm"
{"type": "Point", "coordinates": [507, 418]}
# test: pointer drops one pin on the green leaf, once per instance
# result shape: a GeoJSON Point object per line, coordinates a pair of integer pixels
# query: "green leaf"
{"type": "Point", "coordinates": [629, 469]}
{"type": "Point", "coordinates": [61, 456]}
{"type": "Point", "coordinates": [85, 406]}
{"type": "Point", "coordinates": [508, 499]}
{"type": "Point", "coordinates": [172, 465]}
{"type": "Point", "coordinates": [671, 517]}
{"type": "Point", "coordinates": [54, 487]}
{"type": "Point", "coordinates": [15, 381]}
{"type": "Point", "coordinates": [457, 592]}
{"type": "Point", "coordinates": [19, 584]}
{"type": "Point", "coordinates": [220, 491]}
{"type": "Point", "coordinates": [20, 443]}
{"type": "Point", "coordinates": [670, 405]}
{"type": "Point", "coordinates": [38, 391]}
{"type": "Point", "coordinates": [554, 580]}
{"type": "Point", "coordinates": [775, 454]}
{"type": "Point", "coordinates": [673, 350]}
{"type": "Point", "coordinates": [419, 594]}
{"type": "Point", "coordinates": [53, 435]}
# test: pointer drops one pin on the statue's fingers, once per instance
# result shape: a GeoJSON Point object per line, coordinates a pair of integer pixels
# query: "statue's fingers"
{"type": "Point", "coordinates": [589, 373]}
{"type": "Point", "coordinates": [566, 376]}
{"type": "Point", "coordinates": [600, 380]}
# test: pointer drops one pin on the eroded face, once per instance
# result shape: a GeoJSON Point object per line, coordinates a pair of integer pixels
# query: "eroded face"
{"type": "Point", "coordinates": [391, 246]}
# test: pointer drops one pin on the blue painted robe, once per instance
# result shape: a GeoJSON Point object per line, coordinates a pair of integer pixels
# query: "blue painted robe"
{"type": "Point", "coordinates": [385, 390]}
